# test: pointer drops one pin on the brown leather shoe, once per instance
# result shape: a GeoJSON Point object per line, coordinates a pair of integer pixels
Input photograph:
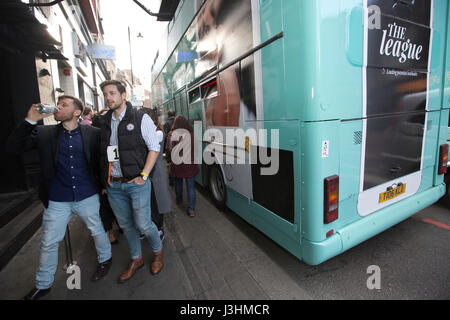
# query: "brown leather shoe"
{"type": "Point", "coordinates": [131, 270]}
{"type": "Point", "coordinates": [112, 237]}
{"type": "Point", "coordinates": [157, 263]}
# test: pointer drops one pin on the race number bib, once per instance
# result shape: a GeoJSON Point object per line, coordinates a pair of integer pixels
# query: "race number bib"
{"type": "Point", "coordinates": [113, 153]}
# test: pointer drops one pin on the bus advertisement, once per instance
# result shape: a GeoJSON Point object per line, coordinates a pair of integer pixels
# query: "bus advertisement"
{"type": "Point", "coordinates": [321, 123]}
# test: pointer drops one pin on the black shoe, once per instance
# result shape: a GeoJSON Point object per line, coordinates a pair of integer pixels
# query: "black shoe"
{"type": "Point", "coordinates": [36, 294]}
{"type": "Point", "coordinates": [102, 270]}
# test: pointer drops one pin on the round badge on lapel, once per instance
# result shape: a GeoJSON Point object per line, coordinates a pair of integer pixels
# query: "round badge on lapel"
{"type": "Point", "coordinates": [130, 127]}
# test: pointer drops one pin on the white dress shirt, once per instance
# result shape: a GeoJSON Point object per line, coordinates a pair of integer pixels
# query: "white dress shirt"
{"type": "Point", "coordinates": [148, 131]}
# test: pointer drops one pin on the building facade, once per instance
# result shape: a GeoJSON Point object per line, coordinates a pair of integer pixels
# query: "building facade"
{"type": "Point", "coordinates": [44, 52]}
{"type": "Point", "coordinates": [77, 26]}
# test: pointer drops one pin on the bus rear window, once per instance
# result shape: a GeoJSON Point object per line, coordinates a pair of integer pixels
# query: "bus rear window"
{"type": "Point", "coordinates": [194, 95]}
{"type": "Point", "coordinates": [209, 89]}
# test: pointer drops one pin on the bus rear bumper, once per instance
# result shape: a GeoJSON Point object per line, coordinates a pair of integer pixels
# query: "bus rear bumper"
{"type": "Point", "coordinates": [357, 232]}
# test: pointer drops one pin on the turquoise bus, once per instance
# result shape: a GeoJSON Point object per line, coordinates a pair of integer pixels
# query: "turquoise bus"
{"type": "Point", "coordinates": [355, 90]}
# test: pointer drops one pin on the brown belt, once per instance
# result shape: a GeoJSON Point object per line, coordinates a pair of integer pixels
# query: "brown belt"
{"type": "Point", "coordinates": [121, 180]}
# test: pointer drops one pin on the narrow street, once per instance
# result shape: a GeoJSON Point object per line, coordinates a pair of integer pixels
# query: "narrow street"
{"type": "Point", "coordinates": [218, 256]}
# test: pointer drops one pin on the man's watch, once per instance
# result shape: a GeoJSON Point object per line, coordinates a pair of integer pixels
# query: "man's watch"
{"type": "Point", "coordinates": [144, 176]}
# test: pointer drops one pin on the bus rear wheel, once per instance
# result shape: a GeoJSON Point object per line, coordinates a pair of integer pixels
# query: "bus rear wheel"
{"type": "Point", "coordinates": [217, 187]}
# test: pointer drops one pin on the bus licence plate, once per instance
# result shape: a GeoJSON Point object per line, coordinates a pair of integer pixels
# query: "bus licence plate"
{"type": "Point", "coordinates": [391, 194]}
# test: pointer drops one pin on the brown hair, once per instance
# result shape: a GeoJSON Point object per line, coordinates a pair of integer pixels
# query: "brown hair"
{"type": "Point", "coordinates": [171, 113]}
{"type": "Point", "coordinates": [86, 111]}
{"type": "Point", "coordinates": [119, 85]}
{"type": "Point", "coordinates": [76, 102]}
{"type": "Point", "coordinates": [181, 122]}
{"type": "Point", "coordinates": [153, 113]}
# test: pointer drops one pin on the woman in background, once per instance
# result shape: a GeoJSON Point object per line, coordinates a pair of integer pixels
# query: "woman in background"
{"type": "Point", "coordinates": [187, 169]}
{"type": "Point", "coordinates": [88, 114]}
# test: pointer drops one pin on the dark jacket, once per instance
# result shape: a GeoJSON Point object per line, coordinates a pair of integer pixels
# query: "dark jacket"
{"type": "Point", "coordinates": [132, 148]}
{"type": "Point", "coordinates": [168, 125]}
{"type": "Point", "coordinates": [46, 139]}
{"type": "Point", "coordinates": [98, 120]}
{"type": "Point", "coordinates": [183, 170]}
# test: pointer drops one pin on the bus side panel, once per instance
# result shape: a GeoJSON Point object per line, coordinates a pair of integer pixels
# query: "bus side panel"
{"type": "Point", "coordinates": [274, 82]}
{"type": "Point", "coordinates": [265, 211]}
{"type": "Point", "coordinates": [286, 165]}
{"type": "Point", "coordinates": [293, 42]}
{"type": "Point", "coordinates": [350, 164]}
{"type": "Point", "coordinates": [271, 19]}
{"type": "Point", "coordinates": [320, 159]}
{"type": "Point", "coordinates": [446, 102]}
{"type": "Point", "coordinates": [431, 145]}
{"type": "Point", "coordinates": [273, 73]}
{"type": "Point", "coordinates": [284, 86]}
{"type": "Point", "coordinates": [330, 80]}
{"type": "Point", "coordinates": [438, 57]}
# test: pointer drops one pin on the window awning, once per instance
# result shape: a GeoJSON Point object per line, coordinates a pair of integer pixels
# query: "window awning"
{"type": "Point", "coordinates": [21, 32]}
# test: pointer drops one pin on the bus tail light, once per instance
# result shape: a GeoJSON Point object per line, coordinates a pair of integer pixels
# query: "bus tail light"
{"type": "Point", "coordinates": [443, 159]}
{"type": "Point", "coordinates": [331, 199]}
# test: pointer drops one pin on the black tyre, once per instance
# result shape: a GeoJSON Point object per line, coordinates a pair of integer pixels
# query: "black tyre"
{"type": "Point", "coordinates": [217, 187]}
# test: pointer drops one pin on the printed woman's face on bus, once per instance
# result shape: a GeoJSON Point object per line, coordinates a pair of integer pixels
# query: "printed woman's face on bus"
{"type": "Point", "coordinates": [209, 35]}
{"type": "Point", "coordinates": [224, 109]}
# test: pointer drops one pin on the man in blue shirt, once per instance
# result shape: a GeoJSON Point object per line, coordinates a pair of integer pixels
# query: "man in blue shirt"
{"type": "Point", "coordinates": [69, 156]}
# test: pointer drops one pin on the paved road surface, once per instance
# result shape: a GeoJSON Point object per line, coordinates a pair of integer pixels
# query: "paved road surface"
{"type": "Point", "coordinates": [217, 255]}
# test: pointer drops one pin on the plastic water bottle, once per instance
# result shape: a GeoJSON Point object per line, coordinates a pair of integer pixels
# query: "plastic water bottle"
{"type": "Point", "coordinates": [47, 109]}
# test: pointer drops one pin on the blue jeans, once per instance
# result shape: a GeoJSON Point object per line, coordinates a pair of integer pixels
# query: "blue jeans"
{"type": "Point", "coordinates": [190, 186]}
{"type": "Point", "coordinates": [54, 224]}
{"type": "Point", "coordinates": [131, 206]}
